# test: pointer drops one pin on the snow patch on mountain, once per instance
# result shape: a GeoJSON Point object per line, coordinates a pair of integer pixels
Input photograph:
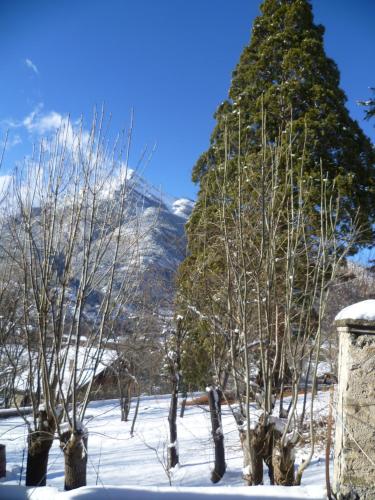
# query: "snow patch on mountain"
{"type": "Point", "coordinates": [183, 207]}
{"type": "Point", "coordinates": [153, 235]}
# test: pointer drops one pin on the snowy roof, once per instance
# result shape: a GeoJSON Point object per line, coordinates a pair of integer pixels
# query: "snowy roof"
{"type": "Point", "coordinates": [86, 366]}
{"type": "Point", "coordinates": [364, 310]}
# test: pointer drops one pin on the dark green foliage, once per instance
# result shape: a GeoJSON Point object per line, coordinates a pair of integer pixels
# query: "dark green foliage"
{"type": "Point", "coordinates": [196, 285]}
{"type": "Point", "coordinates": [286, 68]}
{"type": "Point", "coordinates": [370, 105]}
{"type": "Point", "coordinates": [284, 89]}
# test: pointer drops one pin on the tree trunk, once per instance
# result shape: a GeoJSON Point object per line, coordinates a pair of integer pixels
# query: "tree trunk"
{"type": "Point", "coordinates": [3, 461]}
{"type": "Point", "coordinates": [172, 420]}
{"type": "Point", "coordinates": [125, 400]}
{"type": "Point", "coordinates": [253, 456]}
{"type": "Point", "coordinates": [267, 454]}
{"type": "Point", "coordinates": [214, 398]}
{"type": "Point", "coordinates": [74, 447]}
{"type": "Point", "coordinates": [305, 390]}
{"type": "Point", "coordinates": [282, 461]}
{"type": "Point", "coordinates": [39, 443]}
{"type": "Point", "coordinates": [183, 403]}
{"type": "Point", "coordinates": [135, 413]}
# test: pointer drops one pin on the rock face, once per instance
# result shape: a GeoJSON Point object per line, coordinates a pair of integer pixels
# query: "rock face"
{"type": "Point", "coordinates": [354, 466]}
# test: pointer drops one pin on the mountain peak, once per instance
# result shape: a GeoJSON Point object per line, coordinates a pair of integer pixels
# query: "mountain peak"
{"type": "Point", "coordinates": [183, 207]}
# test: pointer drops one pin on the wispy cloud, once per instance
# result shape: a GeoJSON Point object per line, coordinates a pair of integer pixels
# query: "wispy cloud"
{"type": "Point", "coordinates": [29, 63]}
{"type": "Point", "coordinates": [37, 122]}
{"type": "Point", "coordinates": [56, 133]}
{"type": "Point", "coordinates": [45, 124]}
{"type": "Point", "coordinates": [12, 123]}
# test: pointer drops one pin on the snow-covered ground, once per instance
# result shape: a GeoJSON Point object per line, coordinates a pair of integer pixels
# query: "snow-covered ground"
{"type": "Point", "coordinates": [133, 468]}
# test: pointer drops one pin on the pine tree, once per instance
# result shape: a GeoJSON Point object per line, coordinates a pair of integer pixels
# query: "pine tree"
{"type": "Point", "coordinates": [284, 88]}
{"type": "Point", "coordinates": [286, 69]}
{"type": "Point", "coordinates": [265, 233]}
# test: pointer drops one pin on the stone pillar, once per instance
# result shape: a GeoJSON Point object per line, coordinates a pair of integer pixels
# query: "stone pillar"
{"type": "Point", "coordinates": [354, 465]}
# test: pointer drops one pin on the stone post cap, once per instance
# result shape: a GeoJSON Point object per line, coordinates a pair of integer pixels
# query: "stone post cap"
{"type": "Point", "coordinates": [360, 315]}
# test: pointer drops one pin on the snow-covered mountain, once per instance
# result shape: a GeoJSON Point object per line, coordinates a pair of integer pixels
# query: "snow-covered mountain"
{"type": "Point", "coordinates": [153, 242]}
{"type": "Point", "coordinates": [159, 222]}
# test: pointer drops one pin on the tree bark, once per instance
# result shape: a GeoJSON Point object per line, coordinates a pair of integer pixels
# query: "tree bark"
{"type": "Point", "coordinates": [305, 390]}
{"type": "Point", "coordinates": [135, 413]}
{"type": "Point", "coordinates": [172, 420]}
{"type": "Point", "coordinates": [3, 461]}
{"type": "Point", "coordinates": [253, 455]}
{"type": "Point", "coordinates": [39, 444]}
{"type": "Point", "coordinates": [267, 453]}
{"type": "Point", "coordinates": [214, 398]}
{"type": "Point", "coordinates": [125, 400]}
{"type": "Point", "coordinates": [74, 446]}
{"type": "Point", "coordinates": [282, 461]}
{"type": "Point", "coordinates": [183, 403]}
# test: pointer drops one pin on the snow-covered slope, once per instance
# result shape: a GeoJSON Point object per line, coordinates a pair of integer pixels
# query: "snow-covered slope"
{"type": "Point", "coordinates": [152, 240]}
{"type": "Point", "coordinates": [156, 226]}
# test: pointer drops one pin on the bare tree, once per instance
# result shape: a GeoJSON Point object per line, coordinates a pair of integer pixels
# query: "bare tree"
{"type": "Point", "coordinates": [66, 234]}
{"type": "Point", "coordinates": [268, 262]}
{"type": "Point", "coordinates": [174, 338]}
{"type": "Point", "coordinates": [281, 291]}
{"type": "Point", "coordinates": [214, 400]}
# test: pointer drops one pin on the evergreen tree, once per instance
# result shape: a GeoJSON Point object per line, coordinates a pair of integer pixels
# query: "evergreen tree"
{"type": "Point", "coordinates": [285, 68]}
{"type": "Point", "coordinates": [284, 88]}
{"type": "Point", "coordinates": [286, 173]}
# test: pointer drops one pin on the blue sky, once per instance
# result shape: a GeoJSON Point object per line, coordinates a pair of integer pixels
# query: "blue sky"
{"type": "Point", "coordinates": [169, 59]}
